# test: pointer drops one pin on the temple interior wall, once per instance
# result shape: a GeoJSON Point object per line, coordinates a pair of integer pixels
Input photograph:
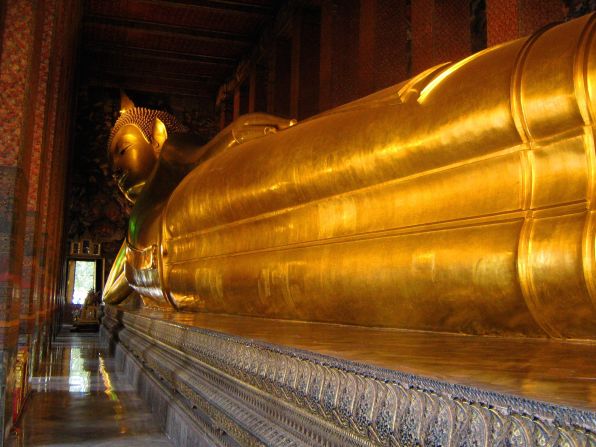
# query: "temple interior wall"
{"type": "Point", "coordinates": [317, 57]}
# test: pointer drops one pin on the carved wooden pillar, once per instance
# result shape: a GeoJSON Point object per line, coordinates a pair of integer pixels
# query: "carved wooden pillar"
{"type": "Point", "coordinates": [510, 19]}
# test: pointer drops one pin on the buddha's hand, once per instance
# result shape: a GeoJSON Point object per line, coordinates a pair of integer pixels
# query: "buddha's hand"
{"type": "Point", "coordinates": [264, 120]}
{"type": "Point", "coordinates": [256, 125]}
{"type": "Point", "coordinates": [117, 288]}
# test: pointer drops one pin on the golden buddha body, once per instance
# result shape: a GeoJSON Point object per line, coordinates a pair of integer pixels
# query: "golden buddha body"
{"type": "Point", "coordinates": [460, 201]}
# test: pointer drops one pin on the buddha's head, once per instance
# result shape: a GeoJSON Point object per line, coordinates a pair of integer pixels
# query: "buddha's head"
{"type": "Point", "coordinates": [135, 143]}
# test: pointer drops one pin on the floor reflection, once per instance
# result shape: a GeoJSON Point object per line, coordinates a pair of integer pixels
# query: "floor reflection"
{"type": "Point", "coordinates": [78, 377]}
{"type": "Point", "coordinates": [80, 400]}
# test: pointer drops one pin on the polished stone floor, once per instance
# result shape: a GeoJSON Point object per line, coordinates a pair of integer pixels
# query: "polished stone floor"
{"type": "Point", "coordinates": [80, 400]}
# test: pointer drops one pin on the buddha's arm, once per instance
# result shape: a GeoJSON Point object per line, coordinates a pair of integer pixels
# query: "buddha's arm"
{"type": "Point", "coordinates": [245, 128]}
{"type": "Point", "coordinates": [183, 152]}
{"type": "Point", "coordinates": [116, 288]}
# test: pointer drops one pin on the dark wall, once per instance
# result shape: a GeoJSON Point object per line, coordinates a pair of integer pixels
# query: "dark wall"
{"type": "Point", "coordinates": [96, 209]}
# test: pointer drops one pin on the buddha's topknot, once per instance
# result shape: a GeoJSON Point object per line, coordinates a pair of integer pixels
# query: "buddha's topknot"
{"type": "Point", "coordinates": [145, 118]}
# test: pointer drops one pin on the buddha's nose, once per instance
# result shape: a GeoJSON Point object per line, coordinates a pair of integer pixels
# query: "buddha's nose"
{"type": "Point", "coordinates": [117, 173]}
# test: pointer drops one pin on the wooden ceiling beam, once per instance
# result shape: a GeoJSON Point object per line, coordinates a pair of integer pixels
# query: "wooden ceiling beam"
{"type": "Point", "coordinates": [152, 86]}
{"type": "Point", "coordinates": [99, 60]}
{"type": "Point", "coordinates": [154, 76]}
{"type": "Point", "coordinates": [167, 30]}
{"type": "Point", "coordinates": [163, 55]}
{"type": "Point", "coordinates": [220, 5]}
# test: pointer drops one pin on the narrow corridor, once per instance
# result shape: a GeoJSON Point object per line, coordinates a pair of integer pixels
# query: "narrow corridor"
{"type": "Point", "coordinates": [80, 400]}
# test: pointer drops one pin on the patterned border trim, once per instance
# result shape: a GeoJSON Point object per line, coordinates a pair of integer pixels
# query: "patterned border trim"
{"type": "Point", "coordinates": [184, 427]}
{"type": "Point", "coordinates": [319, 399]}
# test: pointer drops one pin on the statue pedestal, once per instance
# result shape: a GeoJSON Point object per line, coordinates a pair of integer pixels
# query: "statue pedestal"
{"type": "Point", "coordinates": [226, 380]}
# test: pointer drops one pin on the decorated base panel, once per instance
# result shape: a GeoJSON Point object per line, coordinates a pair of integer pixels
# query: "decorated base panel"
{"type": "Point", "coordinates": [228, 382]}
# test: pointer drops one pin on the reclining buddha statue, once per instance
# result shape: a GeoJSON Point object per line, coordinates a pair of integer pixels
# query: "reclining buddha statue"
{"type": "Point", "coordinates": [461, 200]}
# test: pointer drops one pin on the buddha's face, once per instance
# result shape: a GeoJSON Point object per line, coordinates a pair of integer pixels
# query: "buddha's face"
{"type": "Point", "coordinates": [132, 158]}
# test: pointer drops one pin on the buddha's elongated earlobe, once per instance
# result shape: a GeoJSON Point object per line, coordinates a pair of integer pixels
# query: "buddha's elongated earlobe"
{"type": "Point", "coordinates": [160, 135]}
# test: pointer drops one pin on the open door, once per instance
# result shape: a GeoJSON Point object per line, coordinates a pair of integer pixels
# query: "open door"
{"type": "Point", "coordinates": [84, 273]}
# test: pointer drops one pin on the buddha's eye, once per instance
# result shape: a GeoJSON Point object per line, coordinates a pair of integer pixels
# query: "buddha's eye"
{"type": "Point", "coordinates": [123, 149]}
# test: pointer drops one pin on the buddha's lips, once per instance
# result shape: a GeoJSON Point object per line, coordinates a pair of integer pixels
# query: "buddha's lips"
{"type": "Point", "coordinates": [121, 179]}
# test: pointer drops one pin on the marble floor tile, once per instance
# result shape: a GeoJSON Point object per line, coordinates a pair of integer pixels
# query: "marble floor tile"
{"type": "Point", "coordinates": [80, 400]}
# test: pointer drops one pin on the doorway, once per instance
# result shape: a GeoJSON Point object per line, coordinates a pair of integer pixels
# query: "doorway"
{"type": "Point", "coordinates": [83, 276]}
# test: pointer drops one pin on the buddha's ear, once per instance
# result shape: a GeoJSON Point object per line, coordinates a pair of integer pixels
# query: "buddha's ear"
{"type": "Point", "coordinates": [125, 102]}
{"type": "Point", "coordinates": [160, 135]}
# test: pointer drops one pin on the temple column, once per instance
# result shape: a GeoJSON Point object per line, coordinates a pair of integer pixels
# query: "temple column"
{"type": "Point", "coordinates": [280, 77]}
{"type": "Point", "coordinates": [509, 19]}
{"type": "Point", "coordinates": [304, 83]}
{"type": "Point", "coordinates": [30, 299]}
{"type": "Point", "coordinates": [41, 291]}
{"type": "Point", "coordinates": [62, 141]}
{"type": "Point", "coordinates": [21, 43]}
{"type": "Point", "coordinates": [440, 32]}
{"type": "Point", "coordinates": [236, 103]}
{"type": "Point", "coordinates": [338, 76]}
{"type": "Point", "coordinates": [295, 57]}
{"type": "Point", "coordinates": [366, 48]}
{"type": "Point", "coordinates": [36, 81]}
{"type": "Point", "coordinates": [326, 53]}
{"type": "Point", "coordinates": [46, 251]}
{"type": "Point", "coordinates": [257, 89]}
{"type": "Point", "coordinates": [252, 90]}
{"type": "Point", "coordinates": [383, 54]}
{"type": "Point", "coordinates": [222, 115]}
